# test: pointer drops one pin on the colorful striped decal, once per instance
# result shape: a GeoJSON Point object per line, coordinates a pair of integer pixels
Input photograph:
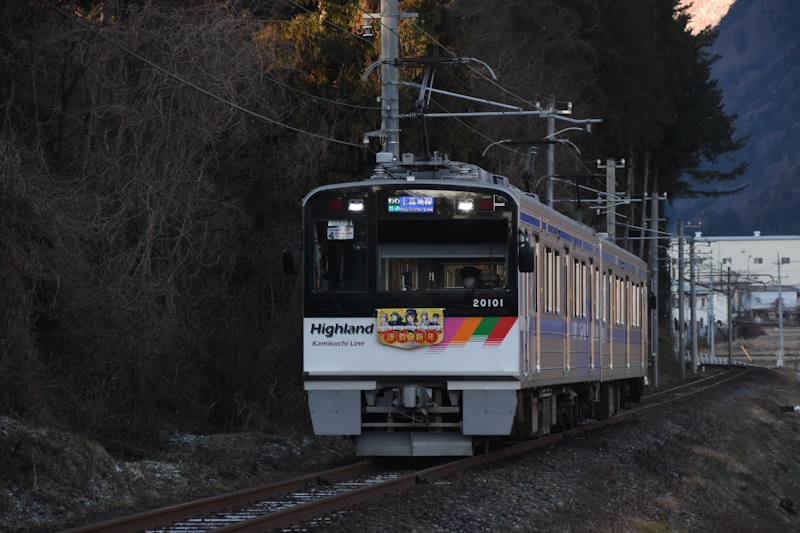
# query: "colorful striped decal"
{"type": "Point", "coordinates": [490, 331]}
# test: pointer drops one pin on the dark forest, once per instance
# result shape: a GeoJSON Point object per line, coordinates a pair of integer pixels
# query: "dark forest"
{"type": "Point", "coordinates": [154, 156]}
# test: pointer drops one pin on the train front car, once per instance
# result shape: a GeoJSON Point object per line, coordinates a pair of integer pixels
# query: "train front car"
{"type": "Point", "coordinates": [411, 338]}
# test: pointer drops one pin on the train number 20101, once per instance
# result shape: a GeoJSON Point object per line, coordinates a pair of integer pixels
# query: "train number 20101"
{"type": "Point", "coordinates": [487, 302]}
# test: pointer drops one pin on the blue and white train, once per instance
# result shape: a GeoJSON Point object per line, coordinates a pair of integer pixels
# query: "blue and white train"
{"type": "Point", "coordinates": [444, 307]}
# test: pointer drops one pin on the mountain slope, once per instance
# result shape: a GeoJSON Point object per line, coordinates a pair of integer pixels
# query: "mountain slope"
{"type": "Point", "coordinates": [760, 78]}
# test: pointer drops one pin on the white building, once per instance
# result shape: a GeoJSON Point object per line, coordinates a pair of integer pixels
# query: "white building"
{"type": "Point", "coordinates": [746, 269]}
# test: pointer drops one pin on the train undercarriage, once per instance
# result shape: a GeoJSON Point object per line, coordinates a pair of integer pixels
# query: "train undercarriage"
{"type": "Point", "coordinates": [428, 419]}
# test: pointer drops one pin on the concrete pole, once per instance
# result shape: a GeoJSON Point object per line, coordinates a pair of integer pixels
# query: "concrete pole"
{"type": "Point", "coordinates": [712, 324]}
{"type": "Point", "coordinates": [611, 192]}
{"type": "Point", "coordinates": [693, 304]}
{"type": "Point", "coordinates": [780, 313]}
{"type": "Point", "coordinates": [551, 155]}
{"type": "Point", "coordinates": [730, 321]}
{"type": "Point", "coordinates": [390, 100]}
{"type": "Point", "coordinates": [654, 284]}
{"type": "Point", "coordinates": [681, 306]}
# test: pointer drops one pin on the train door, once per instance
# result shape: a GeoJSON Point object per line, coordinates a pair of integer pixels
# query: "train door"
{"type": "Point", "coordinates": [538, 302]}
{"type": "Point", "coordinates": [628, 316]}
{"type": "Point", "coordinates": [637, 344]}
{"type": "Point", "coordinates": [528, 305]}
{"type": "Point", "coordinates": [595, 315]}
{"type": "Point", "coordinates": [579, 326]}
{"type": "Point", "coordinates": [569, 304]}
{"type": "Point", "coordinates": [551, 330]}
{"type": "Point", "coordinates": [619, 335]}
{"type": "Point", "coordinates": [608, 319]}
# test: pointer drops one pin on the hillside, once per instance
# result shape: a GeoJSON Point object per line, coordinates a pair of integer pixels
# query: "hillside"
{"type": "Point", "coordinates": [760, 78]}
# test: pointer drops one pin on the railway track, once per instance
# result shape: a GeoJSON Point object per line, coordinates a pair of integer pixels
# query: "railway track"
{"type": "Point", "coordinates": [307, 498]}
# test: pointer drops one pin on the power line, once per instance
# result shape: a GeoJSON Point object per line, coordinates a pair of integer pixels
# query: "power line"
{"type": "Point", "coordinates": [280, 82]}
{"type": "Point", "coordinates": [476, 71]}
{"type": "Point", "coordinates": [194, 86]}
{"type": "Point", "coordinates": [384, 28]}
{"type": "Point", "coordinates": [372, 44]}
{"type": "Point", "coordinates": [400, 38]}
{"type": "Point", "coordinates": [456, 78]}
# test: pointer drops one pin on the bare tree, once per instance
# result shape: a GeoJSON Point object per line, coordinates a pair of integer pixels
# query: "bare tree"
{"type": "Point", "coordinates": [149, 276]}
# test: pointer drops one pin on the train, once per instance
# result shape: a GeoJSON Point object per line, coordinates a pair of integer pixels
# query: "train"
{"type": "Point", "coordinates": [444, 308]}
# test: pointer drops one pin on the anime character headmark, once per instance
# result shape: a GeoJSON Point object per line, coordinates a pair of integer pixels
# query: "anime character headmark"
{"type": "Point", "coordinates": [424, 321]}
{"type": "Point", "coordinates": [396, 320]}
{"type": "Point", "coordinates": [411, 319]}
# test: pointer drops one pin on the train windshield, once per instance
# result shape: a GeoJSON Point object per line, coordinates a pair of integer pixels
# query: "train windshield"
{"type": "Point", "coordinates": [442, 240]}
{"type": "Point", "coordinates": [397, 240]}
{"type": "Point", "coordinates": [441, 254]}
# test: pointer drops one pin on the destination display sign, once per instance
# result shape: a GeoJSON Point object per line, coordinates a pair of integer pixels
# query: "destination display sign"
{"type": "Point", "coordinates": [410, 204]}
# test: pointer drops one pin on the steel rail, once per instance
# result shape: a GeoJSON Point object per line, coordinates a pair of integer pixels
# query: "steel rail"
{"type": "Point", "coordinates": [686, 385]}
{"type": "Point", "coordinates": [314, 509]}
{"type": "Point", "coordinates": [168, 515]}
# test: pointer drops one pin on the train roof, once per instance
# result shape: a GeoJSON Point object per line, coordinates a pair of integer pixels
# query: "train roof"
{"type": "Point", "coordinates": [438, 169]}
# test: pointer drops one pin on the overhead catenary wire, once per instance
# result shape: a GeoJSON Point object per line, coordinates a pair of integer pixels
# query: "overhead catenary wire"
{"type": "Point", "coordinates": [234, 105]}
{"type": "Point", "coordinates": [437, 43]}
{"type": "Point", "coordinates": [194, 86]}
{"type": "Point", "coordinates": [476, 71]}
{"type": "Point", "coordinates": [285, 85]}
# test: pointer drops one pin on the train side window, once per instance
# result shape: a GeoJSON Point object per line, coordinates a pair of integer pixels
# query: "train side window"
{"type": "Point", "coordinates": [638, 304]}
{"type": "Point", "coordinates": [582, 301]}
{"type": "Point", "coordinates": [548, 280]}
{"type": "Point", "coordinates": [573, 304]}
{"type": "Point", "coordinates": [610, 301]}
{"type": "Point", "coordinates": [596, 294]}
{"type": "Point", "coordinates": [561, 283]}
{"type": "Point", "coordinates": [626, 284]}
{"type": "Point", "coordinates": [612, 293]}
{"type": "Point", "coordinates": [534, 288]}
{"type": "Point", "coordinates": [552, 281]}
{"type": "Point", "coordinates": [604, 297]}
{"type": "Point", "coordinates": [587, 289]}
{"type": "Point", "coordinates": [579, 288]}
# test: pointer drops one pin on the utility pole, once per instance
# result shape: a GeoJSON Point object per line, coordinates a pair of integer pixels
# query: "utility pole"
{"type": "Point", "coordinates": [730, 321]}
{"type": "Point", "coordinates": [780, 313]}
{"type": "Point", "coordinates": [712, 324]}
{"type": "Point", "coordinates": [551, 164]}
{"type": "Point", "coordinates": [693, 304]}
{"type": "Point", "coordinates": [611, 167]}
{"type": "Point", "coordinates": [390, 95]}
{"type": "Point", "coordinates": [654, 285]}
{"type": "Point", "coordinates": [681, 311]}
